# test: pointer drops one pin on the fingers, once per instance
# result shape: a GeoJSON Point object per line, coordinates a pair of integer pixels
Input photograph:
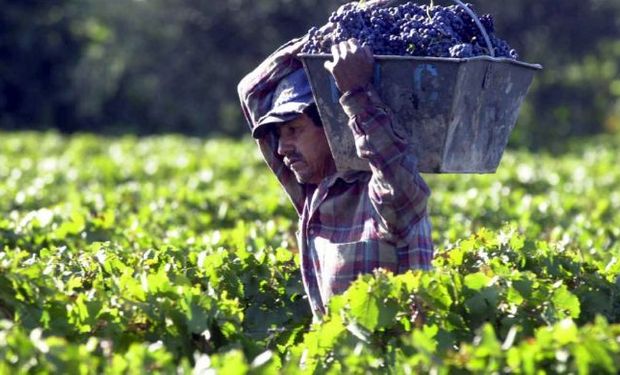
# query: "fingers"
{"type": "Point", "coordinates": [340, 50]}
{"type": "Point", "coordinates": [343, 48]}
{"type": "Point", "coordinates": [348, 50]}
{"type": "Point", "coordinates": [353, 45]}
{"type": "Point", "coordinates": [329, 65]}
{"type": "Point", "coordinates": [335, 51]}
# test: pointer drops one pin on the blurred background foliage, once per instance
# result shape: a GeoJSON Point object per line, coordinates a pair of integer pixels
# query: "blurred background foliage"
{"type": "Point", "coordinates": [155, 66]}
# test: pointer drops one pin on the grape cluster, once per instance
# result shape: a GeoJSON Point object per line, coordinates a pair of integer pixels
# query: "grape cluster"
{"type": "Point", "coordinates": [409, 30]}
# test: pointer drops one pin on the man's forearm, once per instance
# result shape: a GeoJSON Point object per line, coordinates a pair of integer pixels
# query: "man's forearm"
{"type": "Point", "coordinates": [396, 189]}
{"type": "Point", "coordinates": [255, 93]}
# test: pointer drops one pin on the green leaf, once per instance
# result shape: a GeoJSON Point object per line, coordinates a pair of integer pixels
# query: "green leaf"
{"type": "Point", "coordinates": [197, 318]}
{"type": "Point", "coordinates": [477, 281]}
{"type": "Point", "coordinates": [488, 345]}
{"type": "Point", "coordinates": [565, 332]}
{"type": "Point", "coordinates": [74, 283]}
{"type": "Point", "coordinates": [513, 296]}
{"type": "Point", "coordinates": [516, 242]}
{"type": "Point", "coordinates": [583, 359]}
{"type": "Point", "coordinates": [232, 362]}
{"type": "Point", "coordinates": [438, 293]}
{"type": "Point", "coordinates": [424, 339]}
{"type": "Point", "coordinates": [283, 255]}
{"type": "Point", "coordinates": [564, 300]}
{"type": "Point", "coordinates": [364, 306]}
{"type": "Point", "coordinates": [456, 256]}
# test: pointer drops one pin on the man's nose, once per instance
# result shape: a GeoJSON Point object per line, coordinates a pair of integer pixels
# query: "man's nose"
{"type": "Point", "coordinates": [285, 146]}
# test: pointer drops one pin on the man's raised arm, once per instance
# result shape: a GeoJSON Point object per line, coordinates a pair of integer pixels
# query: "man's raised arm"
{"type": "Point", "coordinates": [256, 94]}
{"type": "Point", "coordinates": [397, 191]}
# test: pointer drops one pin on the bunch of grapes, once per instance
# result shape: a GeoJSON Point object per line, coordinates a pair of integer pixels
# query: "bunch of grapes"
{"type": "Point", "coordinates": [409, 30]}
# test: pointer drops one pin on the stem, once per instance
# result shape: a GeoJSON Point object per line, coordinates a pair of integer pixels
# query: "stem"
{"type": "Point", "coordinates": [428, 10]}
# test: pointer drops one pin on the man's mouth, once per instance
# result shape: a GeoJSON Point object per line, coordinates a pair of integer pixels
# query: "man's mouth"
{"type": "Point", "coordinates": [296, 164]}
{"type": "Point", "coordinates": [292, 163]}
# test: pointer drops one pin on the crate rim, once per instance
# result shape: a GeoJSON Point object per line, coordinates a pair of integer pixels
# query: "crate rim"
{"type": "Point", "coordinates": [323, 56]}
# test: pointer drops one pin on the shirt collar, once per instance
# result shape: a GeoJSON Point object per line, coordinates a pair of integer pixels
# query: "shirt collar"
{"type": "Point", "coordinates": [346, 176]}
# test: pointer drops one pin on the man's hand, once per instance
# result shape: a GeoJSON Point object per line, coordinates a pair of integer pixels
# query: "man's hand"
{"type": "Point", "coordinates": [352, 66]}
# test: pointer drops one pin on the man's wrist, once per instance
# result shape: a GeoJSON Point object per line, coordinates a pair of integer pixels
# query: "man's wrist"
{"type": "Point", "coordinates": [355, 100]}
{"type": "Point", "coordinates": [354, 91]}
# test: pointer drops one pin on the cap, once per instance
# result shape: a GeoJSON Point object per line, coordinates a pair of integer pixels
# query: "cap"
{"type": "Point", "coordinates": [290, 98]}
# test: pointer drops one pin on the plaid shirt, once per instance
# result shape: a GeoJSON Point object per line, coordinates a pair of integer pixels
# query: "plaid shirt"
{"type": "Point", "coordinates": [356, 221]}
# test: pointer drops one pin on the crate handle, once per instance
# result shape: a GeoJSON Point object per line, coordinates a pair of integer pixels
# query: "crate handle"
{"type": "Point", "coordinates": [479, 24]}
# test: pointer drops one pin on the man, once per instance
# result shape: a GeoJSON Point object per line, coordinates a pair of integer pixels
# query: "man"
{"type": "Point", "coordinates": [350, 222]}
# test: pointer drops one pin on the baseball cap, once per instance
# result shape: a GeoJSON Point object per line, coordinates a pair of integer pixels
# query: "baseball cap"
{"type": "Point", "coordinates": [290, 98]}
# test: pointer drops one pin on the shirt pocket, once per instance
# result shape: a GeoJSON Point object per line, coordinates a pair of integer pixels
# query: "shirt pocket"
{"type": "Point", "coordinates": [341, 263]}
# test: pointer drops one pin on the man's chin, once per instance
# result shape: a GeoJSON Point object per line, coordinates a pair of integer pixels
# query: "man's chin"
{"type": "Point", "coordinates": [303, 174]}
{"type": "Point", "coordinates": [302, 178]}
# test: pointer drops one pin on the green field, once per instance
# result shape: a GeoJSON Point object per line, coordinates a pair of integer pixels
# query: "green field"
{"type": "Point", "coordinates": [171, 254]}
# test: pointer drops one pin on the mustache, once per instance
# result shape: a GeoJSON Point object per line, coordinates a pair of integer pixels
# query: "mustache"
{"type": "Point", "coordinates": [292, 158]}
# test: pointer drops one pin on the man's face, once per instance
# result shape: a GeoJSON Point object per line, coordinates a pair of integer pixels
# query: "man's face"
{"type": "Point", "coordinates": [304, 148]}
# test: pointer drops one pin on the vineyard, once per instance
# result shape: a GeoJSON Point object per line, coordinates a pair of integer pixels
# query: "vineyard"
{"type": "Point", "coordinates": [177, 255]}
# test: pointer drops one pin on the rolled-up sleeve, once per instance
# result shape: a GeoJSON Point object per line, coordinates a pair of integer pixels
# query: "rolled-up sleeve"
{"type": "Point", "coordinates": [397, 191]}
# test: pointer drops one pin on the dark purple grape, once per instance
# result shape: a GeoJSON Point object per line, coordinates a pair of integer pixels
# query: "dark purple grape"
{"type": "Point", "coordinates": [462, 50]}
{"type": "Point", "coordinates": [410, 30]}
